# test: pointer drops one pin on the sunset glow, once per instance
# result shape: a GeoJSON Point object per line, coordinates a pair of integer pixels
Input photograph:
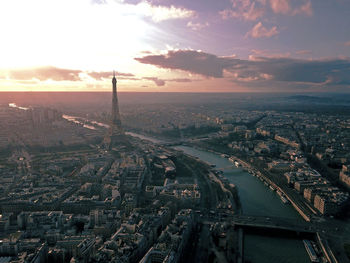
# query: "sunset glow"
{"type": "Point", "coordinates": [191, 46]}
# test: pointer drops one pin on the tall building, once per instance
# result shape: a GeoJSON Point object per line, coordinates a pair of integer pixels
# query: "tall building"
{"type": "Point", "coordinates": [116, 122]}
{"type": "Point", "coordinates": [115, 138]}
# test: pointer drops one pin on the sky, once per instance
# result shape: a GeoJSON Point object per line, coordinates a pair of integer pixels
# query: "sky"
{"type": "Point", "coordinates": [175, 45]}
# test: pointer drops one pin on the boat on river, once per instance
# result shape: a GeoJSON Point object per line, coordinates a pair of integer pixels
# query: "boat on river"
{"type": "Point", "coordinates": [310, 250]}
{"type": "Point", "coordinates": [237, 164]}
{"type": "Point", "coordinates": [284, 199]}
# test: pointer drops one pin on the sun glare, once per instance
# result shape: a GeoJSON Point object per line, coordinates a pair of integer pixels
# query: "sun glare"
{"type": "Point", "coordinates": [65, 33]}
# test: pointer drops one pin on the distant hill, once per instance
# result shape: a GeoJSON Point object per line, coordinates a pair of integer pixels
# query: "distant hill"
{"type": "Point", "coordinates": [307, 98]}
{"type": "Point", "coordinates": [326, 99]}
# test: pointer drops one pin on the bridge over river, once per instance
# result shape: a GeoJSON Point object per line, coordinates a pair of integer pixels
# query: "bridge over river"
{"type": "Point", "coordinates": [277, 223]}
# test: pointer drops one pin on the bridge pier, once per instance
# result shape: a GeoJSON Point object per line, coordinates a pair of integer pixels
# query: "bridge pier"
{"type": "Point", "coordinates": [240, 255]}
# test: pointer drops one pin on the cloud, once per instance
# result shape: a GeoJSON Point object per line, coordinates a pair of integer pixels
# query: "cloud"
{"type": "Point", "coordinates": [27, 82]}
{"type": "Point", "coordinates": [347, 44]}
{"type": "Point", "coordinates": [180, 80]}
{"type": "Point", "coordinates": [35, 75]}
{"type": "Point", "coordinates": [44, 73]}
{"type": "Point", "coordinates": [333, 71]}
{"type": "Point", "coordinates": [60, 74]}
{"type": "Point", "coordinates": [252, 10]}
{"type": "Point", "coordinates": [189, 60]}
{"type": "Point", "coordinates": [145, 52]}
{"type": "Point", "coordinates": [157, 81]}
{"type": "Point", "coordinates": [285, 7]}
{"type": "Point", "coordinates": [280, 6]}
{"type": "Point", "coordinates": [197, 26]}
{"type": "Point", "coordinates": [259, 31]}
{"type": "Point", "coordinates": [287, 70]}
{"type": "Point", "coordinates": [245, 10]}
{"type": "Point", "coordinates": [303, 52]}
{"type": "Point", "coordinates": [107, 74]}
{"type": "Point", "coordinates": [269, 54]}
{"type": "Point", "coordinates": [157, 13]}
{"type": "Point", "coordinates": [161, 82]}
{"type": "Point", "coordinates": [99, 2]}
{"type": "Point", "coordinates": [305, 9]}
{"type": "Point", "coordinates": [160, 13]}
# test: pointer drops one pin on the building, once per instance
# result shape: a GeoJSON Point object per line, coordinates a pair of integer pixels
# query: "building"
{"type": "Point", "coordinates": [344, 175]}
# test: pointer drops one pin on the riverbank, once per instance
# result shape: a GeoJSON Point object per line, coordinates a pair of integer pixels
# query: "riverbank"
{"type": "Point", "coordinates": [305, 214]}
{"type": "Point", "coordinates": [223, 195]}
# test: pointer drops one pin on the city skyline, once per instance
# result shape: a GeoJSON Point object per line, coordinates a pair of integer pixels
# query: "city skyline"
{"type": "Point", "coordinates": [170, 46]}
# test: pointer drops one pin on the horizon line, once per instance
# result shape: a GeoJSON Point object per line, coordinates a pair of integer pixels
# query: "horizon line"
{"type": "Point", "coordinates": [204, 92]}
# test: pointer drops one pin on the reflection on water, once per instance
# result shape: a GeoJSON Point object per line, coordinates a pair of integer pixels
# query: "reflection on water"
{"type": "Point", "coordinates": [100, 124]}
{"type": "Point", "coordinates": [77, 121]}
{"type": "Point", "coordinates": [84, 122]}
{"type": "Point", "coordinates": [263, 249]}
{"type": "Point", "coordinates": [13, 105]}
{"type": "Point", "coordinates": [143, 137]}
{"type": "Point", "coordinates": [92, 125]}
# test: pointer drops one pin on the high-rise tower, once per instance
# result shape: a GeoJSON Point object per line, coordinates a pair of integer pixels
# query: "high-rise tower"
{"type": "Point", "coordinates": [116, 122]}
{"type": "Point", "coordinates": [115, 138]}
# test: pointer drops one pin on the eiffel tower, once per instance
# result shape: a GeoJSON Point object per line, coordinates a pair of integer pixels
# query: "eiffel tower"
{"type": "Point", "coordinates": [115, 137]}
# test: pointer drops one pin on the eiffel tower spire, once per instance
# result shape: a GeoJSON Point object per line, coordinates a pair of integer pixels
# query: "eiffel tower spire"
{"type": "Point", "coordinates": [115, 138]}
{"type": "Point", "coordinates": [115, 107]}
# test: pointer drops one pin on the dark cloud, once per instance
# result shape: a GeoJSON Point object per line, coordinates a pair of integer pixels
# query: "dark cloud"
{"type": "Point", "coordinates": [331, 71]}
{"type": "Point", "coordinates": [107, 74]}
{"type": "Point", "coordinates": [45, 73]}
{"type": "Point", "coordinates": [335, 71]}
{"type": "Point", "coordinates": [303, 52]}
{"type": "Point", "coordinates": [161, 82]}
{"type": "Point", "coordinates": [189, 60]}
{"type": "Point", "coordinates": [180, 80]}
{"type": "Point", "coordinates": [157, 81]}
